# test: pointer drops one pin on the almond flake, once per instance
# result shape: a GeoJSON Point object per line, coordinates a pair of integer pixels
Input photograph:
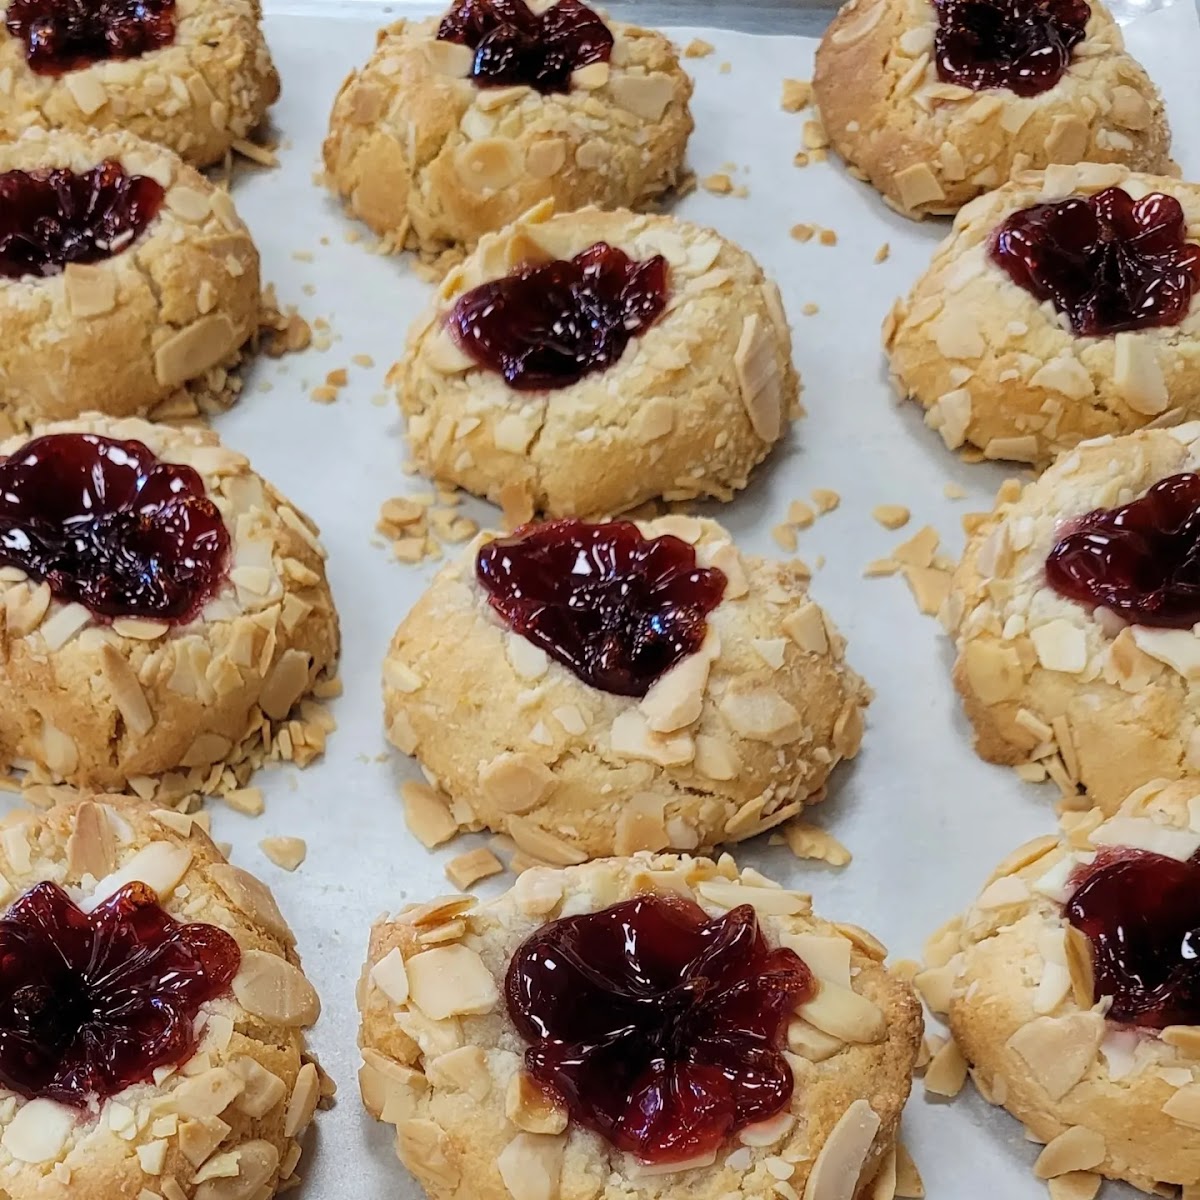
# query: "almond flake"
{"type": "Point", "coordinates": [450, 981]}
{"type": "Point", "coordinates": [1076, 1149]}
{"type": "Point", "coordinates": [839, 1164]}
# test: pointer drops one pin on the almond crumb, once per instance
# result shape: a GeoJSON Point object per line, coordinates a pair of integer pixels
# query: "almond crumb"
{"type": "Point", "coordinates": [468, 869]}
{"type": "Point", "coordinates": [883, 253]}
{"type": "Point", "coordinates": [810, 310]}
{"type": "Point", "coordinates": [725, 68]}
{"type": "Point", "coordinates": [698, 48]}
{"type": "Point", "coordinates": [800, 159]}
{"type": "Point", "coordinates": [324, 394]}
{"type": "Point", "coordinates": [828, 237]}
{"type": "Point", "coordinates": [800, 514]}
{"type": "Point", "coordinates": [797, 95]}
{"type": "Point", "coordinates": [785, 537]}
{"type": "Point", "coordinates": [803, 233]}
{"type": "Point", "coordinates": [825, 499]}
{"type": "Point", "coordinates": [807, 841]}
{"type": "Point", "coordinates": [363, 360]}
{"type": "Point", "coordinates": [719, 184]}
{"type": "Point", "coordinates": [891, 516]}
{"type": "Point", "coordinates": [954, 491]}
{"type": "Point", "coordinates": [285, 852]}
{"type": "Point", "coordinates": [338, 378]}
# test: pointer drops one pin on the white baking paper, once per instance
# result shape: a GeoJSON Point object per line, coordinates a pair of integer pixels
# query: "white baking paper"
{"type": "Point", "coordinates": [925, 819]}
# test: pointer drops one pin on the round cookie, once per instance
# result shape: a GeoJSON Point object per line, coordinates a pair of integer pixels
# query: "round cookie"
{"type": "Point", "coordinates": [929, 146]}
{"type": "Point", "coordinates": [1063, 686]}
{"type": "Point", "coordinates": [137, 330]}
{"type": "Point", "coordinates": [222, 1121]}
{"type": "Point", "coordinates": [165, 705]}
{"type": "Point", "coordinates": [443, 1056]}
{"type": "Point", "coordinates": [697, 399]}
{"type": "Point", "coordinates": [431, 161]}
{"type": "Point", "coordinates": [1016, 974]}
{"type": "Point", "coordinates": [999, 370]}
{"type": "Point", "coordinates": [210, 84]}
{"type": "Point", "coordinates": [735, 737]}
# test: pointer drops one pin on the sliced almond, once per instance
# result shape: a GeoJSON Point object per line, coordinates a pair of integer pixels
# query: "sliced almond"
{"type": "Point", "coordinates": [1059, 1051]}
{"type": "Point", "coordinates": [837, 1172]}
{"type": "Point", "coordinates": [450, 981]}
{"type": "Point", "coordinates": [529, 1107]}
{"type": "Point", "coordinates": [269, 987]}
{"type": "Point", "coordinates": [1076, 1149]}
{"type": "Point", "coordinates": [844, 1014]}
{"type": "Point", "coordinates": [531, 1166]}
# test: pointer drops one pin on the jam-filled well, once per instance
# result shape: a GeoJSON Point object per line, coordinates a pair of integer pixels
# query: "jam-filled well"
{"type": "Point", "coordinates": [514, 45]}
{"type": "Point", "coordinates": [107, 524]}
{"type": "Point", "coordinates": [617, 608]}
{"type": "Point", "coordinates": [1109, 262]}
{"type": "Point", "coordinates": [65, 35]}
{"type": "Point", "coordinates": [1141, 913]}
{"type": "Point", "coordinates": [547, 325]}
{"type": "Point", "coordinates": [656, 1026]}
{"type": "Point", "coordinates": [53, 217]}
{"type": "Point", "coordinates": [91, 1003]}
{"type": "Point", "coordinates": [1023, 46]}
{"type": "Point", "coordinates": [1140, 561]}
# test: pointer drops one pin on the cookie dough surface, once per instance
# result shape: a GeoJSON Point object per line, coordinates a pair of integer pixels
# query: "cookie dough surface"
{"type": "Point", "coordinates": [1122, 1102]}
{"type": "Point", "coordinates": [129, 333]}
{"type": "Point", "coordinates": [695, 402]}
{"type": "Point", "coordinates": [1105, 707]}
{"type": "Point", "coordinates": [997, 371]}
{"type": "Point", "coordinates": [450, 1080]}
{"type": "Point", "coordinates": [929, 146]}
{"type": "Point", "coordinates": [224, 1126]}
{"type": "Point", "coordinates": [110, 705]}
{"type": "Point", "coordinates": [210, 87]}
{"type": "Point", "coordinates": [734, 739]}
{"type": "Point", "coordinates": [429, 161]}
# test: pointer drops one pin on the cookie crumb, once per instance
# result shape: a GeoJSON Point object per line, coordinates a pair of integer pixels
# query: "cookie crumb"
{"type": "Point", "coordinates": [324, 394]}
{"type": "Point", "coordinates": [954, 491]}
{"type": "Point", "coordinates": [807, 841]}
{"type": "Point", "coordinates": [363, 360]}
{"type": "Point", "coordinates": [698, 48]}
{"type": "Point", "coordinates": [814, 136]}
{"type": "Point", "coordinates": [725, 68]}
{"type": "Point", "coordinates": [810, 310]}
{"type": "Point", "coordinates": [825, 499]}
{"type": "Point", "coordinates": [338, 378]}
{"type": "Point", "coordinates": [797, 95]}
{"type": "Point", "coordinates": [883, 253]}
{"type": "Point", "coordinates": [427, 814]}
{"type": "Point", "coordinates": [785, 537]}
{"type": "Point", "coordinates": [468, 869]}
{"type": "Point", "coordinates": [285, 852]}
{"type": "Point", "coordinates": [248, 801]}
{"type": "Point", "coordinates": [891, 516]}
{"type": "Point", "coordinates": [800, 159]}
{"type": "Point", "coordinates": [719, 184]}
{"type": "Point", "coordinates": [803, 233]}
{"type": "Point", "coordinates": [828, 237]}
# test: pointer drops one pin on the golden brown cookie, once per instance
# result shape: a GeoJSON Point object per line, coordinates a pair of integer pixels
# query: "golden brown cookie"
{"type": "Point", "coordinates": [1004, 370]}
{"type": "Point", "coordinates": [447, 1063]}
{"type": "Point", "coordinates": [1063, 686]}
{"type": "Point", "coordinates": [101, 690]}
{"type": "Point", "coordinates": [431, 161]}
{"type": "Point", "coordinates": [699, 396]}
{"type": "Point", "coordinates": [699, 719]}
{"type": "Point", "coordinates": [152, 324]}
{"type": "Point", "coordinates": [1088, 1058]}
{"type": "Point", "coordinates": [929, 145]}
{"type": "Point", "coordinates": [204, 1098]}
{"type": "Point", "coordinates": [205, 83]}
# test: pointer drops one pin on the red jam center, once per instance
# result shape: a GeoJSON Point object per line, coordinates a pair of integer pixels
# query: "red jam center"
{"type": "Point", "coordinates": [1108, 262]}
{"type": "Point", "coordinates": [616, 608]}
{"type": "Point", "coordinates": [659, 1028]}
{"type": "Point", "coordinates": [64, 35]}
{"type": "Point", "coordinates": [108, 525]}
{"type": "Point", "coordinates": [1141, 913]}
{"type": "Point", "coordinates": [51, 218]}
{"type": "Point", "coordinates": [1023, 46]}
{"type": "Point", "coordinates": [515, 46]}
{"type": "Point", "coordinates": [549, 325]}
{"type": "Point", "coordinates": [93, 1003]}
{"type": "Point", "coordinates": [1141, 561]}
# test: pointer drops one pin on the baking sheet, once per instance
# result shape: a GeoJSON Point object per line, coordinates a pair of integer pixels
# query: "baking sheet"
{"type": "Point", "coordinates": [925, 819]}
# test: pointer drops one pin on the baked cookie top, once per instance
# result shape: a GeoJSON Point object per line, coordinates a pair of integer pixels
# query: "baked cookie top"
{"type": "Point", "coordinates": [1070, 988]}
{"type": "Point", "coordinates": [1026, 336]}
{"type": "Point", "coordinates": [1103, 699]}
{"type": "Point", "coordinates": [446, 1061]}
{"type": "Point", "coordinates": [581, 737]}
{"type": "Point", "coordinates": [689, 387]}
{"type": "Point", "coordinates": [929, 144]}
{"type": "Point", "coordinates": [183, 1071]}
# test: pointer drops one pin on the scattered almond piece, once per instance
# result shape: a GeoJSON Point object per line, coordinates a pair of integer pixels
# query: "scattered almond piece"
{"type": "Point", "coordinates": [324, 394]}
{"type": "Point", "coordinates": [248, 801]}
{"type": "Point", "coordinates": [468, 869]}
{"type": "Point", "coordinates": [954, 491]}
{"type": "Point", "coordinates": [1074, 1185]}
{"type": "Point", "coordinates": [880, 567]}
{"type": "Point", "coordinates": [807, 841]}
{"type": "Point", "coordinates": [810, 310]}
{"type": "Point", "coordinates": [828, 237]}
{"type": "Point", "coordinates": [947, 1071]}
{"type": "Point", "coordinates": [800, 159]}
{"type": "Point", "coordinates": [930, 586]}
{"type": "Point", "coordinates": [785, 537]}
{"type": "Point", "coordinates": [719, 184]}
{"type": "Point", "coordinates": [891, 516]}
{"type": "Point", "coordinates": [800, 514]}
{"type": "Point", "coordinates": [725, 68]}
{"type": "Point", "coordinates": [797, 95]}
{"type": "Point", "coordinates": [825, 499]}
{"type": "Point", "coordinates": [363, 360]}
{"type": "Point", "coordinates": [698, 48]}
{"type": "Point", "coordinates": [285, 852]}
{"type": "Point", "coordinates": [803, 233]}
{"type": "Point", "coordinates": [428, 815]}
{"type": "Point", "coordinates": [919, 550]}
{"type": "Point", "coordinates": [883, 253]}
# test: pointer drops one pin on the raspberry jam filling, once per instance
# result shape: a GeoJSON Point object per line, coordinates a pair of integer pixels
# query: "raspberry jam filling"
{"type": "Point", "coordinates": [54, 217]}
{"type": "Point", "coordinates": [616, 608]}
{"type": "Point", "coordinates": [549, 325]}
{"type": "Point", "coordinates": [1141, 913]}
{"type": "Point", "coordinates": [108, 525]}
{"type": "Point", "coordinates": [1140, 561]}
{"type": "Point", "coordinates": [515, 46]}
{"type": "Point", "coordinates": [657, 1027]}
{"type": "Point", "coordinates": [1023, 46]}
{"type": "Point", "coordinates": [91, 1003]}
{"type": "Point", "coordinates": [1109, 262]}
{"type": "Point", "coordinates": [65, 35]}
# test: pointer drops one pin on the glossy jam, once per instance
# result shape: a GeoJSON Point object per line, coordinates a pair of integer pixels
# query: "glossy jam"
{"type": "Point", "coordinates": [1023, 46]}
{"type": "Point", "coordinates": [1141, 561]}
{"type": "Point", "coordinates": [1141, 913]}
{"type": "Point", "coordinates": [514, 46]}
{"type": "Point", "coordinates": [1108, 262]}
{"type": "Point", "coordinates": [549, 325]}
{"type": "Point", "coordinates": [617, 608]}
{"type": "Point", "coordinates": [105, 523]}
{"type": "Point", "coordinates": [657, 1027]}
{"type": "Point", "coordinates": [64, 35]}
{"type": "Point", "coordinates": [51, 218]}
{"type": "Point", "coordinates": [91, 1003]}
